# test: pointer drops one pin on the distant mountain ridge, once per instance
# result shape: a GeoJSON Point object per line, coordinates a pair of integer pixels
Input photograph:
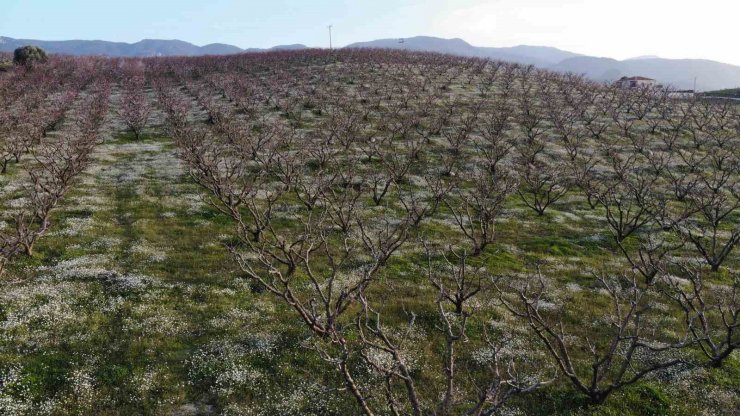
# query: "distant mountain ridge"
{"type": "Point", "coordinates": [678, 73]}
{"type": "Point", "coordinates": [146, 47]}
{"type": "Point", "coordinates": [523, 54]}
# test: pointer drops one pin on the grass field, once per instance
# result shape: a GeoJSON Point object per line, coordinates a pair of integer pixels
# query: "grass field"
{"type": "Point", "coordinates": [133, 302]}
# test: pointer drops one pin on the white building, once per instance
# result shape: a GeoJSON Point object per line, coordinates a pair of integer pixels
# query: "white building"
{"type": "Point", "coordinates": [635, 82]}
{"type": "Point", "coordinates": [682, 94]}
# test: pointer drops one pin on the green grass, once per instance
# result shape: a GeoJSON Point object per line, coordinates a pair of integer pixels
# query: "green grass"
{"type": "Point", "coordinates": [190, 330]}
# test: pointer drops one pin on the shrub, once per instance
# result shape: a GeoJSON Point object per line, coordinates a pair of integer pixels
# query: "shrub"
{"type": "Point", "coordinates": [29, 55]}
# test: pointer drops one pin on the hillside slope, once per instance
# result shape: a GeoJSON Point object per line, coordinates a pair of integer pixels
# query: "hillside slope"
{"type": "Point", "coordinates": [678, 73]}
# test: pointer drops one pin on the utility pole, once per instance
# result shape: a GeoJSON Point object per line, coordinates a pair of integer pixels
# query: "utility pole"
{"type": "Point", "coordinates": [329, 27]}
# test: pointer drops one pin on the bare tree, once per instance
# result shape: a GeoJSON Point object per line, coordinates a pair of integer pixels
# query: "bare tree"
{"type": "Point", "coordinates": [705, 230]}
{"type": "Point", "coordinates": [623, 355]}
{"type": "Point", "coordinates": [134, 108]}
{"type": "Point", "coordinates": [476, 209]}
{"type": "Point", "coordinates": [711, 312]}
{"type": "Point", "coordinates": [542, 184]}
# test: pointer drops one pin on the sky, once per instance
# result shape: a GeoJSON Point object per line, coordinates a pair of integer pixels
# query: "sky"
{"type": "Point", "coordinates": [617, 29]}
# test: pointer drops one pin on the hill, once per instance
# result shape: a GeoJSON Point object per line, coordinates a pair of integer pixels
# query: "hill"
{"type": "Point", "coordinates": [679, 73]}
{"type": "Point", "coordinates": [335, 232]}
{"type": "Point", "coordinates": [146, 47]}
{"type": "Point", "coordinates": [726, 93]}
{"type": "Point", "coordinates": [523, 54]}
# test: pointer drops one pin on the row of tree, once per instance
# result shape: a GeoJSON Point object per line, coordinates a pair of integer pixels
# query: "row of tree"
{"type": "Point", "coordinates": [50, 121]}
{"type": "Point", "coordinates": [340, 168]}
{"type": "Point", "coordinates": [371, 151]}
